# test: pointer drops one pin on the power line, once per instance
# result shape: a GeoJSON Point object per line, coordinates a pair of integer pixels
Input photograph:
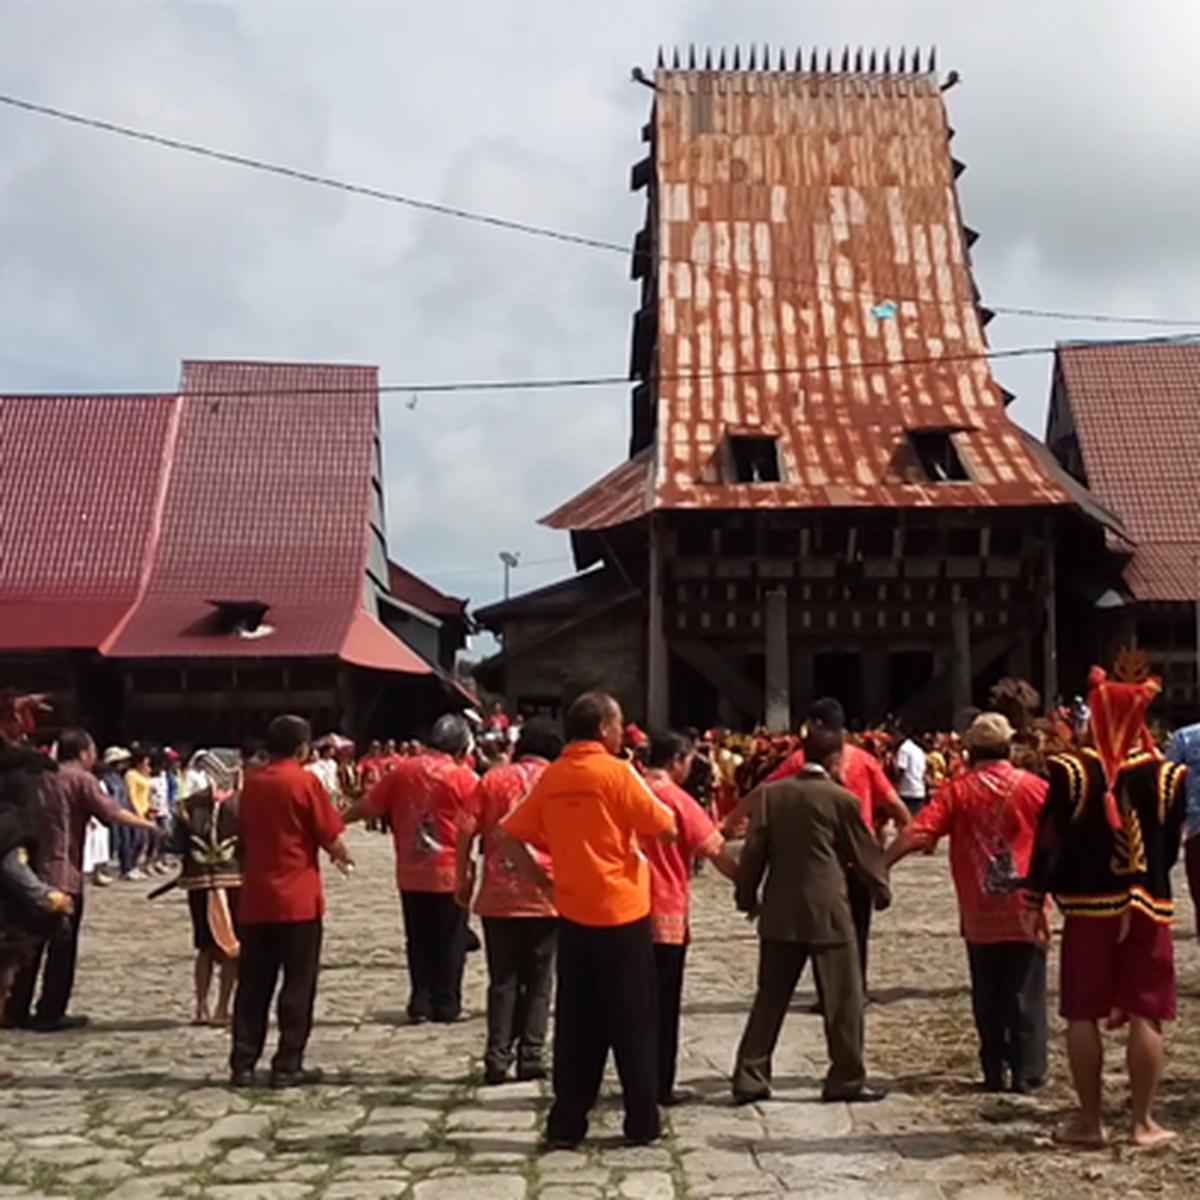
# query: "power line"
{"type": "Point", "coordinates": [578, 382]}
{"type": "Point", "coordinates": [545, 231]}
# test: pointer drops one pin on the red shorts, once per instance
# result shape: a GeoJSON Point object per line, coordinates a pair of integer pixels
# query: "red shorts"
{"type": "Point", "coordinates": [1101, 974]}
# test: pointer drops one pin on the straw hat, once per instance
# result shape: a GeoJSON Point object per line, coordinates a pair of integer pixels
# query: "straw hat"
{"type": "Point", "coordinates": [989, 731]}
{"type": "Point", "coordinates": [116, 754]}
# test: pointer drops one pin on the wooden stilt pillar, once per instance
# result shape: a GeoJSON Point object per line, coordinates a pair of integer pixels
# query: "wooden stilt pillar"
{"type": "Point", "coordinates": [960, 657]}
{"type": "Point", "coordinates": [1050, 637]}
{"type": "Point", "coordinates": [778, 673]}
{"type": "Point", "coordinates": [658, 700]}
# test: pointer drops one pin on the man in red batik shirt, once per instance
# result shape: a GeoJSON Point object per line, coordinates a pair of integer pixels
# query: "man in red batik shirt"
{"type": "Point", "coordinates": [864, 777]}
{"type": "Point", "coordinates": [426, 800]}
{"type": "Point", "coordinates": [990, 814]}
{"type": "Point", "coordinates": [520, 922]}
{"type": "Point", "coordinates": [668, 765]}
{"type": "Point", "coordinates": [284, 821]}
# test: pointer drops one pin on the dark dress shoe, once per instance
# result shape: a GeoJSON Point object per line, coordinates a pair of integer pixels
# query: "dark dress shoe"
{"type": "Point", "coordinates": [492, 1076]}
{"type": "Point", "coordinates": [677, 1097]}
{"type": "Point", "coordinates": [241, 1079]}
{"type": "Point", "coordinates": [305, 1077]}
{"type": "Point", "coordinates": [1025, 1087]}
{"type": "Point", "coordinates": [60, 1025]}
{"type": "Point", "coordinates": [751, 1097]}
{"type": "Point", "coordinates": [549, 1144]}
{"type": "Point", "coordinates": [531, 1071]}
{"type": "Point", "coordinates": [861, 1095]}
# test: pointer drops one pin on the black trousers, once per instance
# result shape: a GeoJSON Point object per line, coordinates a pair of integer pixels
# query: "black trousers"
{"type": "Point", "coordinates": [1008, 994]}
{"type": "Point", "coordinates": [58, 979]}
{"type": "Point", "coordinates": [668, 970]}
{"type": "Point", "coordinates": [839, 985]}
{"type": "Point", "coordinates": [520, 962]}
{"type": "Point", "coordinates": [293, 948]}
{"type": "Point", "coordinates": [605, 999]}
{"type": "Point", "coordinates": [862, 905]}
{"type": "Point", "coordinates": [435, 932]}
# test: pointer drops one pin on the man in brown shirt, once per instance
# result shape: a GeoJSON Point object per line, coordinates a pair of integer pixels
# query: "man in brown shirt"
{"type": "Point", "coordinates": [806, 836]}
{"type": "Point", "coordinates": [68, 799]}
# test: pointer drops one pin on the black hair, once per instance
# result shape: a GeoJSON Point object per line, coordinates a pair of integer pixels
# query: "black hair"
{"type": "Point", "coordinates": [286, 734]}
{"type": "Point", "coordinates": [73, 744]}
{"type": "Point", "coordinates": [541, 738]}
{"type": "Point", "coordinates": [827, 712]}
{"type": "Point", "coordinates": [450, 734]}
{"type": "Point", "coordinates": [586, 714]}
{"type": "Point", "coordinates": [821, 744]}
{"type": "Point", "coordinates": [667, 745]}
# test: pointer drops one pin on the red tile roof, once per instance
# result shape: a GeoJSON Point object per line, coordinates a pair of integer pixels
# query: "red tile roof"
{"type": "Point", "coordinates": [789, 206]}
{"type": "Point", "coordinates": [253, 484]}
{"type": "Point", "coordinates": [79, 481]}
{"type": "Point", "coordinates": [1134, 410]}
{"type": "Point", "coordinates": [413, 590]}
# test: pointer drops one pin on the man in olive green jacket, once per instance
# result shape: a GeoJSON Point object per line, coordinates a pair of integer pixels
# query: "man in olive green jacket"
{"type": "Point", "coordinates": [806, 834]}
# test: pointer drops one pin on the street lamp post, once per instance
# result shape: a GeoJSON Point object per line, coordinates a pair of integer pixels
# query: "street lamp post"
{"type": "Point", "coordinates": [510, 560]}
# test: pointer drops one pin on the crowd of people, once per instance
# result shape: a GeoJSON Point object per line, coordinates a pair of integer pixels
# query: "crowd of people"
{"type": "Point", "coordinates": [576, 848]}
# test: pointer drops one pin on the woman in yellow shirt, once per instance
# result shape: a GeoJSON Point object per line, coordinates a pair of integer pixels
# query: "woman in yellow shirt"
{"type": "Point", "coordinates": [138, 787]}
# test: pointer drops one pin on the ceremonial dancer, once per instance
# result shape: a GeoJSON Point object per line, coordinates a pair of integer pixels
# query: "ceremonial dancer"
{"type": "Point", "coordinates": [1107, 840]}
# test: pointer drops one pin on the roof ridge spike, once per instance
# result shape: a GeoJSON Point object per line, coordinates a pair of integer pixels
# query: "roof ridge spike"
{"type": "Point", "coordinates": [721, 59]}
{"type": "Point", "coordinates": [782, 59]}
{"type": "Point", "coordinates": [708, 58]}
{"type": "Point", "coordinates": [871, 66]}
{"type": "Point", "coordinates": [900, 65]}
{"type": "Point", "coordinates": [812, 60]}
{"type": "Point", "coordinates": [753, 63]}
{"type": "Point", "coordinates": [737, 58]}
{"type": "Point", "coordinates": [675, 59]}
{"type": "Point", "coordinates": [799, 66]}
{"type": "Point", "coordinates": [766, 56]}
{"type": "Point", "coordinates": [828, 61]}
{"type": "Point", "coordinates": [887, 61]}
{"type": "Point", "coordinates": [692, 56]}
{"type": "Point", "coordinates": [932, 58]}
{"type": "Point", "coordinates": [858, 60]}
{"type": "Point", "coordinates": [846, 59]}
{"type": "Point", "coordinates": [661, 61]}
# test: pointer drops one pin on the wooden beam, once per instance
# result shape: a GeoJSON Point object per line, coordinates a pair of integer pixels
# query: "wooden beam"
{"type": "Point", "coordinates": [658, 698]}
{"type": "Point", "coordinates": [961, 675]}
{"type": "Point", "coordinates": [778, 671]}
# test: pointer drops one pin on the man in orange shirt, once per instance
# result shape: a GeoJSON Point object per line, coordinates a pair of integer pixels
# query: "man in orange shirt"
{"type": "Point", "coordinates": [284, 821]}
{"type": "Point", "coordinates": [587, 811]}
{"type": "Point", "coordinates": [426, 800]}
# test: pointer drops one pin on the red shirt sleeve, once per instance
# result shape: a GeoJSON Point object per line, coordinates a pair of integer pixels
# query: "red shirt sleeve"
{"type": "Point", "coordinates": [327, 822]}
{"type": "Point", "coordinates": [934, 819]}
{"type": "Point", "coordinates": [882, 790]}
{"type": "Point", "coordinates": [644, 811]}
{"type": "Point", "coordinates": [696, 829]}
{"type": "Point", "coordinates": [525, 821]}
{"type": "Point", "coordinates": [470, 794]}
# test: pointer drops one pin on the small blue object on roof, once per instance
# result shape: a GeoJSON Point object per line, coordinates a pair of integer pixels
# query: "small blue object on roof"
{"type": "Point", "coordinates": [884, 311]}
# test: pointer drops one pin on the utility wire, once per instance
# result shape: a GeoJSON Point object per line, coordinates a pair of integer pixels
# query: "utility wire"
{"type": "Point", "coordinates": [545, 231]}
{"type": "Point", "coordinates": [578, 382]}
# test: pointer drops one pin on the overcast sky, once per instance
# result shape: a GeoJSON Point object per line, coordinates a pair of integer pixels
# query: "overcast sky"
{"type": "Point", "coordinates": [1075, 119]}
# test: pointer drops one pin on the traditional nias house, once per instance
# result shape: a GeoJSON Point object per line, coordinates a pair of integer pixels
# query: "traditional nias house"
{"type": "Point", "coordinates": [824, 494]}
{"type": "Point", "coordinates": [1125, 422]}
{"type": "Point", "coordinates": [182, 567]}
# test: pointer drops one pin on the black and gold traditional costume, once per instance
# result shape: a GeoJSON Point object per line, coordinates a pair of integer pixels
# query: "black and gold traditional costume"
{"type": "Point", "coordinates": [1095, 869]}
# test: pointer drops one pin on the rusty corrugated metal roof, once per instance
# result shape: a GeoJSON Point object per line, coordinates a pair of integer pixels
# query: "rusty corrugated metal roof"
{"type": "Point", "coordinates": [789, 207]}
{"type": "Point", "coordinates": [622, 495]}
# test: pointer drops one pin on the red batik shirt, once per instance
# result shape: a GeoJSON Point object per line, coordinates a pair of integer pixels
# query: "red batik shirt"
{"type": "Point", "coordinates": [505, 892]}
{"type": "Point", "coordinates": [862, 774]}
{"type": "Point", "coordinates": [671, 862]}
{"type": "Point", "coordinates": [991, 815]}
{"type": "Point", "coordinates": [427, 798]}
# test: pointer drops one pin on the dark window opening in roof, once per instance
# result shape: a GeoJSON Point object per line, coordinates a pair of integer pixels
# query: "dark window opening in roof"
{"type": "Point", "coordinates": [939, 458]}
{"type": "Point", "coordinates": [755, 458]}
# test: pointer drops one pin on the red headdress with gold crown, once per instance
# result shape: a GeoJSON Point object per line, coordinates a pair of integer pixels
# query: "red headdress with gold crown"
{"type": "Point", "coordinates": [1118, 718]}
